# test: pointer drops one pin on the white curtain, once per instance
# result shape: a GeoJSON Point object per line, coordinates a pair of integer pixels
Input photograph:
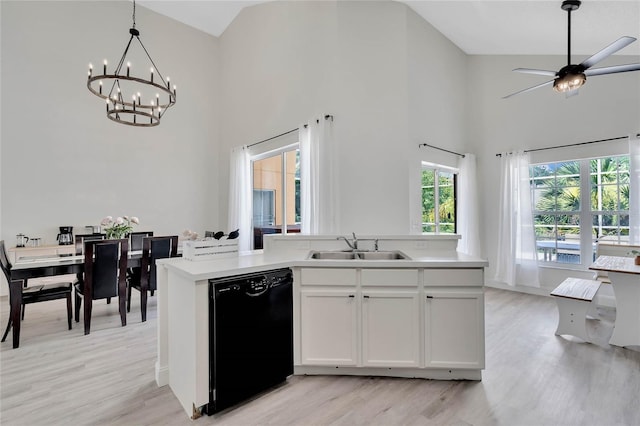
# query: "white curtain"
{"type": "Point", "coordinates": [517, 257]}
{"type": "Point", "coordinates": [240, 195]}
{"type": "Point", "coordinates": [634, 189]}
{"type": "Point", "coordinates": [468, 220]}
{"type": "Point", "coordinates": [317, 186]}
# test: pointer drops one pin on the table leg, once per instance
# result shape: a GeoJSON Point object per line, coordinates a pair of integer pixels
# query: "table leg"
{"type": "Point", "coordinates": [626, 288]}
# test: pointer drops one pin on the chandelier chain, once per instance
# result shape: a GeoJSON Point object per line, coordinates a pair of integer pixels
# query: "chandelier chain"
{"type": "Point", "coordinates": [134, 13]}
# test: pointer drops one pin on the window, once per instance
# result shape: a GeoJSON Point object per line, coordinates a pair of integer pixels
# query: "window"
{"type": "Point", "coordinates": [438, 199]}
{"type": "Point", "coordinates": [276, 193]}
{"type": "Point", "coordinates": [567, 225]}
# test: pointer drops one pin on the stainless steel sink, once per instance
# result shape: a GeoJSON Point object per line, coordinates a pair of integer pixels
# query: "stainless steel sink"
{"type": "Point", "coordinates": [333, 255]}
{"type": "Point", "coordinates": [358, 255]}
{"type": "Point", "coordinates": [382, 255]}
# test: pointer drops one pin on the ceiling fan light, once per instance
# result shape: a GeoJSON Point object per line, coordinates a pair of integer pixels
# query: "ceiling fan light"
{"type": "Point", "coordinates": [569, 82]}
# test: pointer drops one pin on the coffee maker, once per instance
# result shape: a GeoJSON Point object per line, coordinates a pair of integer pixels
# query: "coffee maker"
{"type": "Point", "coordinates": [65, 237]}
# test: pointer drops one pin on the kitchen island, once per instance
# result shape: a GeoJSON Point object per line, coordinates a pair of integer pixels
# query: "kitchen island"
{"type": "Point", "coordinates": [418, 316]}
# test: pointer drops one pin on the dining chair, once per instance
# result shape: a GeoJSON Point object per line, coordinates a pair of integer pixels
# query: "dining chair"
{"type": "Point", "coordinates": [153, 248]}
{"type": "Point", "coordinates": [34, 294]}
{"type": "Point", "coordinates": [105, 267]}
{"type": "Point", "coordinates": [136, 239]}
{"type": "Point", "coordinates": [81, 238]}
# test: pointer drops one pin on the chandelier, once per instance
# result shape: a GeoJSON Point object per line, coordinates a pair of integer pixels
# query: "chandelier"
{"type": "Point", "coordinates": [130, 100]}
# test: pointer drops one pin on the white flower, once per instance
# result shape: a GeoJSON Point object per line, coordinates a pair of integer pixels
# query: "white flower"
{"type": "Point", "coordinates": [135, 220]}
{"type": "Point", "coordinates": [106, 221]}
{"type": "Point", "coordinates": [119, 221]}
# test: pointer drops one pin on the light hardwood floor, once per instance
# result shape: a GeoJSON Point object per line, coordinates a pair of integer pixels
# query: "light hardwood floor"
{"type": "Point", "coordinates": [532, 377]}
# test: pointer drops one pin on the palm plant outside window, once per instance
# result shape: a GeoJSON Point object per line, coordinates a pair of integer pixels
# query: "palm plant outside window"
{"type": "Point", "coordinates": [567, 225]}
{"type": "Point", "coordinates": [438, 200]}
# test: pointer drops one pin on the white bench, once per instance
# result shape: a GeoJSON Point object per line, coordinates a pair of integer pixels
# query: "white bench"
{"type": "Point", "coordinates": [574, 297]}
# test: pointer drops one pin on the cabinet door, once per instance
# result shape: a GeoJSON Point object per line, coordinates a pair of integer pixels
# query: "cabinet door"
{"type": "Point", "coordinates": [454, 328]}
{"type": "Point", "coordinates": [328, 327]}
{"type": "Point", "coordinates": [390, 328]}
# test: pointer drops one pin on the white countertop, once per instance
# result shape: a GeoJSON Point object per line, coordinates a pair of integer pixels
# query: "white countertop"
{"type": "Point", "coordinates": [258, 261]}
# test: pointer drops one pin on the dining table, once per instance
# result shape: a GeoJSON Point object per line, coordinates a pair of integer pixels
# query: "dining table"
{"type": "Point", "coordinates": [45, 266]}
{"type": "Point", "coordinates": [625, 280]}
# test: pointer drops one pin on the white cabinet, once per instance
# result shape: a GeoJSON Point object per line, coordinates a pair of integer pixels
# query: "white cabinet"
{"type": "Point", "coordinates": [390, 328]}
{"type": "Point", "coordinates": [359, 326]}
{"type": "Point", "coordinates": [328, 327]}
{"type": "Point", "coordinates": [454, 328]}
{"type": "Point", "coordinates": [404, 322]}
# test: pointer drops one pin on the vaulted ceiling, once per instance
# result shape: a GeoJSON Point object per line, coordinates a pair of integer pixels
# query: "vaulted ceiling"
{"type": "Point", "coordinates": [478, 27]}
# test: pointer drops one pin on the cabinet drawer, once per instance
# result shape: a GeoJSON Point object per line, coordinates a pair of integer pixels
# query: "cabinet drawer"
{"type": "Point", "coordinates": [454, 277]}
{"type": "Point", "coordinates": [390, 277]}
{"type": "Point", "coordinates": [328, 276]}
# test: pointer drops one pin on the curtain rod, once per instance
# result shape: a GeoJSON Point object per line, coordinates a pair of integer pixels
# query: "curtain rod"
{"type": "Point", "coordinates": [572, 144]}
{"type": "Point", "coordinates": [326, 117]}
{"type": "Point", "coordinates": [441, 149]}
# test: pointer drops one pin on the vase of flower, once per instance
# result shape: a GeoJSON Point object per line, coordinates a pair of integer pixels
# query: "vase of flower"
{"type": "Point", "coordinates": [635, 253]}
{"type": "Point", "coordinates": [119, 227]}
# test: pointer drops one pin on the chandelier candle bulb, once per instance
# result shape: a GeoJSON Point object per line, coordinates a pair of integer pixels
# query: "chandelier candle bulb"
{"type": "Point", "coordinates": [128, 66]}
{"type": "Point", "coordinates": [152, 74]}
{"type": "Point", "coordinates": [101, 88]}
{"type": "Point", "coordinates": [90, 69]}
{"type": "Point", "coordinates": [104, 67]}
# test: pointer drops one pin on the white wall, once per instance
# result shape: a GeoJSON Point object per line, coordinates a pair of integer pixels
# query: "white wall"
{"type": "Point", "coordinates": [63, 162]}
{"type": "Point", "coordinates": [607, 106]}
{"type": "Point", "coordinates": [369, 65]}
{"type": "Point", "coordinates": [389, 78]}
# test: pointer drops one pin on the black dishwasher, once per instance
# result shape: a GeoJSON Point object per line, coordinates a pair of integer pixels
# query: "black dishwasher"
{"type": "Point", "coordinates": [250, 335]}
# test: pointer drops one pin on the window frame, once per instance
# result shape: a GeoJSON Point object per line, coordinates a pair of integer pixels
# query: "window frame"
{"type": "Point", "coordinates": [282, 153]}
{"type": "Point", "coordinates": [585, 213]}
{"type": "Point", "coordinates": [439, 168]}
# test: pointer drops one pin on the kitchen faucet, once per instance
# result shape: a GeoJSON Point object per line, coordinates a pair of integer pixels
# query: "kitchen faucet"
{"type": "Point", "coordinates": [353, 245]}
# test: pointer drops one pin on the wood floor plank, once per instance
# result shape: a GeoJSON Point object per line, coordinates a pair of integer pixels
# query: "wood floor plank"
{"type": "Point", "coordinates": [532, 377]}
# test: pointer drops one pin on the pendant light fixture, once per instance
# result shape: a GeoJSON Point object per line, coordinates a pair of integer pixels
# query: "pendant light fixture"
{"type": "Point", "coordinates": [130, 100]}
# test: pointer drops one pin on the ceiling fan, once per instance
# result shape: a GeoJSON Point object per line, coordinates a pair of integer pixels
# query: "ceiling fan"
{"type": "Point", "coordinates": [571, 76]}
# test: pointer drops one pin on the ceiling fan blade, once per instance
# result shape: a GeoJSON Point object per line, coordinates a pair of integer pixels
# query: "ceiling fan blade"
{"type": "Point", "coordinates": [530, 88]}
{"type": "Point", "coordinates": [607, 51]}
{"type": "Point", "coordinates": [535, 71]}
{"type": "Point", "coordinates": [612, 70]}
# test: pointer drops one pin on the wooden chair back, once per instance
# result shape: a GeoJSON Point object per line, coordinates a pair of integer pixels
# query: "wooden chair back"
{"type": "Point", "coordinates": [155, 248]}
{"type": "Point", "coordinates": [4, 262]}
{"type": "Point", "coordinates": [105, 268]}
{"type": "Point", "coordinates": [136, 239]}
{"type": "Point", "coordinates": [80, 239]}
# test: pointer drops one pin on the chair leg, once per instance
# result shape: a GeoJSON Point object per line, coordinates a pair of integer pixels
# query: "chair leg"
{"type": "Point", "coordinates": [152, 292]}
{"type": "Point", "coordinates": [69, 309]}
{"type": "Point", "coordinates": [108, 300]}
{"type": "Point", "coordinates": [78, 305]}
{"type": "Point", "coordinates": [143, 305]}
{"type": "Point", "coordinates": [88, 305]}
{"type": "Point", "coordinates": [122, 307]}
{"type": "Point", "coordinates": [6, 332]}
{"type": "Point", "coordinates": [128, 298]}
{"type": "Point", "coordinates": [23, 309]}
